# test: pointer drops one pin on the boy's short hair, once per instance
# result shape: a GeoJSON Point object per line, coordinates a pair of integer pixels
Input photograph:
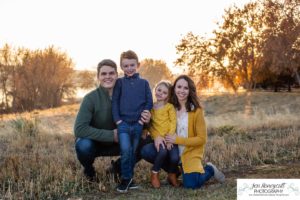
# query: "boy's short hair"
{"type": "Point", "coordinates": [106, 62]}
{"type": "Point", "coordinates": [129, 55]}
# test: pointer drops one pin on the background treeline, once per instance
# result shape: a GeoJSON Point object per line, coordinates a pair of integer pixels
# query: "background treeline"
{"type": "Point", "coordinates": [38, 79]}
{"type": "Point", "coordinates": [31, 79]}
{"type": "Point", "coordinates": [34, 78]}
{"type": "Point", "coordinates": [254, 46]}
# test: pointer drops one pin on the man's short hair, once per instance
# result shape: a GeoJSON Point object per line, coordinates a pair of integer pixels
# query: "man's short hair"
{"type": "Point", "coordinates": [106, 62]}
{"type": "Point", "coordinates": [129, 55]}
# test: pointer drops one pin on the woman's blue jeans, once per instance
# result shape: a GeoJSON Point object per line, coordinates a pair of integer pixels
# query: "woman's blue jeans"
{"type": "Point", "coordinates": [129, 136]}
{"type": "Point", "coordinates": [196, 180]}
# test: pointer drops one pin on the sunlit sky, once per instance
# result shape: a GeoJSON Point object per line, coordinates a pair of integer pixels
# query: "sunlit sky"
{"type": "Point", "coordinates": [91, 30]}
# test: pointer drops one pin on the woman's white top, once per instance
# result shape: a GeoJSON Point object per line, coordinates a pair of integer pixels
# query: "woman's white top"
{"type": "Point", "coordinates": [182, 128]}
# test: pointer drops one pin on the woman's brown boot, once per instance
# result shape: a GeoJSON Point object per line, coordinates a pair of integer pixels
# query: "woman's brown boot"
{"type": "Point", "coordinates": [172, 179]}
{"type": "Point", "coordinates": [155, 179]}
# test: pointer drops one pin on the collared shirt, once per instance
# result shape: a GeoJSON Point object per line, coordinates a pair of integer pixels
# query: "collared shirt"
{"type": "Point", "coordinates": [131, 96]}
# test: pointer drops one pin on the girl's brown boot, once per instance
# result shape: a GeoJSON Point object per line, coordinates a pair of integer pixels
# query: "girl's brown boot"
{"type": "Point", "coordinates": [155, 179]}
{"type": "Point", "coordinates": [172, 179]}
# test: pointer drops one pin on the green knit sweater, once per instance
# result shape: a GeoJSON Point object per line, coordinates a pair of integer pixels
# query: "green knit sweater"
{"type": "Point", "coordinates": [94, 118]}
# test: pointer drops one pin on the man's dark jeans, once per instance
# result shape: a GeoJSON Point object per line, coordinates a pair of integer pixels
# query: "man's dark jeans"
{"type": "Point", "coordinates": [88, 150]}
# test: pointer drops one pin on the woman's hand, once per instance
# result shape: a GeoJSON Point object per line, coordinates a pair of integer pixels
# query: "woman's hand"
{"type": "Point", "coordinates": [170, 138]}
{"type": "Point", "coordinates": [159, 141]}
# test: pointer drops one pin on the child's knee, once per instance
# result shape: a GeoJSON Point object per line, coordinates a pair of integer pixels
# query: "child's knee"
{"type": "Point", "coordinates": [162, 152]}
{"type": "Point", "coordinates": [174, 159]}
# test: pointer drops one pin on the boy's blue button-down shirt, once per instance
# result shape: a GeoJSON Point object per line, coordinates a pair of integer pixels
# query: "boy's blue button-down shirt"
{"type": "Point", "coordinates": [131, 96]}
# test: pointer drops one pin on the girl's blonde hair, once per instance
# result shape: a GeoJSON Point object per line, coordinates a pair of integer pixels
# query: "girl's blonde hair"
{"type": "Point", "coordinates": [167, 84]}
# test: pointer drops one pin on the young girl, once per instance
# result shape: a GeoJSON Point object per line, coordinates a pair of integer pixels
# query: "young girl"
{"type": "Point", "coordinates": [163, 122]}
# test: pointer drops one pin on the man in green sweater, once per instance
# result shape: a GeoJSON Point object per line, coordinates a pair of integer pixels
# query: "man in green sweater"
{"type": "Point", "coordinates": [95, 130]}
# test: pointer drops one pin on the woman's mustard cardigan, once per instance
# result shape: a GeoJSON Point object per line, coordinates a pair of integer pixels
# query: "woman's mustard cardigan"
{"type": "Point", "coordinates": [195, 142]}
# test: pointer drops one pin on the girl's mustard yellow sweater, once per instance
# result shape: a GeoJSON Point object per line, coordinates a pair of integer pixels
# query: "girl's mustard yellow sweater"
{"type": "Point", "coordinates": [195, 142]}
{"type": "Point", "coordinates": [163, 121]}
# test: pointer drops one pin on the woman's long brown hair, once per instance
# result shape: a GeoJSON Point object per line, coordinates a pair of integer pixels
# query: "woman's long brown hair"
{"type": "Point", "coordinates": [192, 102]}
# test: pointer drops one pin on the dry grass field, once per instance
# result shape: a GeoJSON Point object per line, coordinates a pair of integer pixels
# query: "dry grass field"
{"type": "Point", "coordinates": [254, 135]}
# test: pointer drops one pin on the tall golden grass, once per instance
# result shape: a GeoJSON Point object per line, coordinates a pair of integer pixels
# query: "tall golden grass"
{"type": "Point", "coordinates": [38, 160]}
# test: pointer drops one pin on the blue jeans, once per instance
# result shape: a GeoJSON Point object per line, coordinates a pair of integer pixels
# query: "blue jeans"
{"type": "Point", "coordinates": [196, 180]}
{"type": "Point", "coordinates": [164, 158]}
{"type": "Point", "coordinates": [129, 136]}
{"type": "Point", "coordinates": [167, 160]}
{"type": "Point", "coordinates": [88, 150]}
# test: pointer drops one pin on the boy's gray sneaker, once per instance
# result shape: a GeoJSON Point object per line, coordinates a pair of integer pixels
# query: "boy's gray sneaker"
{"type": "Point", "coordinates": [124, 185]}
{"type": "Point", "coordinates": [218, 175]}
{"type": "Point", "coordinates": [133, 185]}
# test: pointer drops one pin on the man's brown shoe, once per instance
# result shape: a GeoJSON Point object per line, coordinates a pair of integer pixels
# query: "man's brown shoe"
{"type": "Point", "coordinates": [155, 179]}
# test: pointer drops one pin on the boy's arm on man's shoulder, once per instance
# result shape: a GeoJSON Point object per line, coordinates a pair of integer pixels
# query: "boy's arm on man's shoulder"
{"type": "Point", "coordinates": [116, 101]}
{"type": "Point", "coordinates": [82, 127]}
{"type": "Point", "coordinates": [149, 99]}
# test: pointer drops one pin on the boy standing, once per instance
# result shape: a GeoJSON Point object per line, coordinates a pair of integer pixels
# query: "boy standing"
{"type": "Point", "coordinates": [131, 97]}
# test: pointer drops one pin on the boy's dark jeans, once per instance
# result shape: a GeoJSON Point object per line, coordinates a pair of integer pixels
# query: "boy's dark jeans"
{"type": "Point", "coordinates": [129, 136]}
